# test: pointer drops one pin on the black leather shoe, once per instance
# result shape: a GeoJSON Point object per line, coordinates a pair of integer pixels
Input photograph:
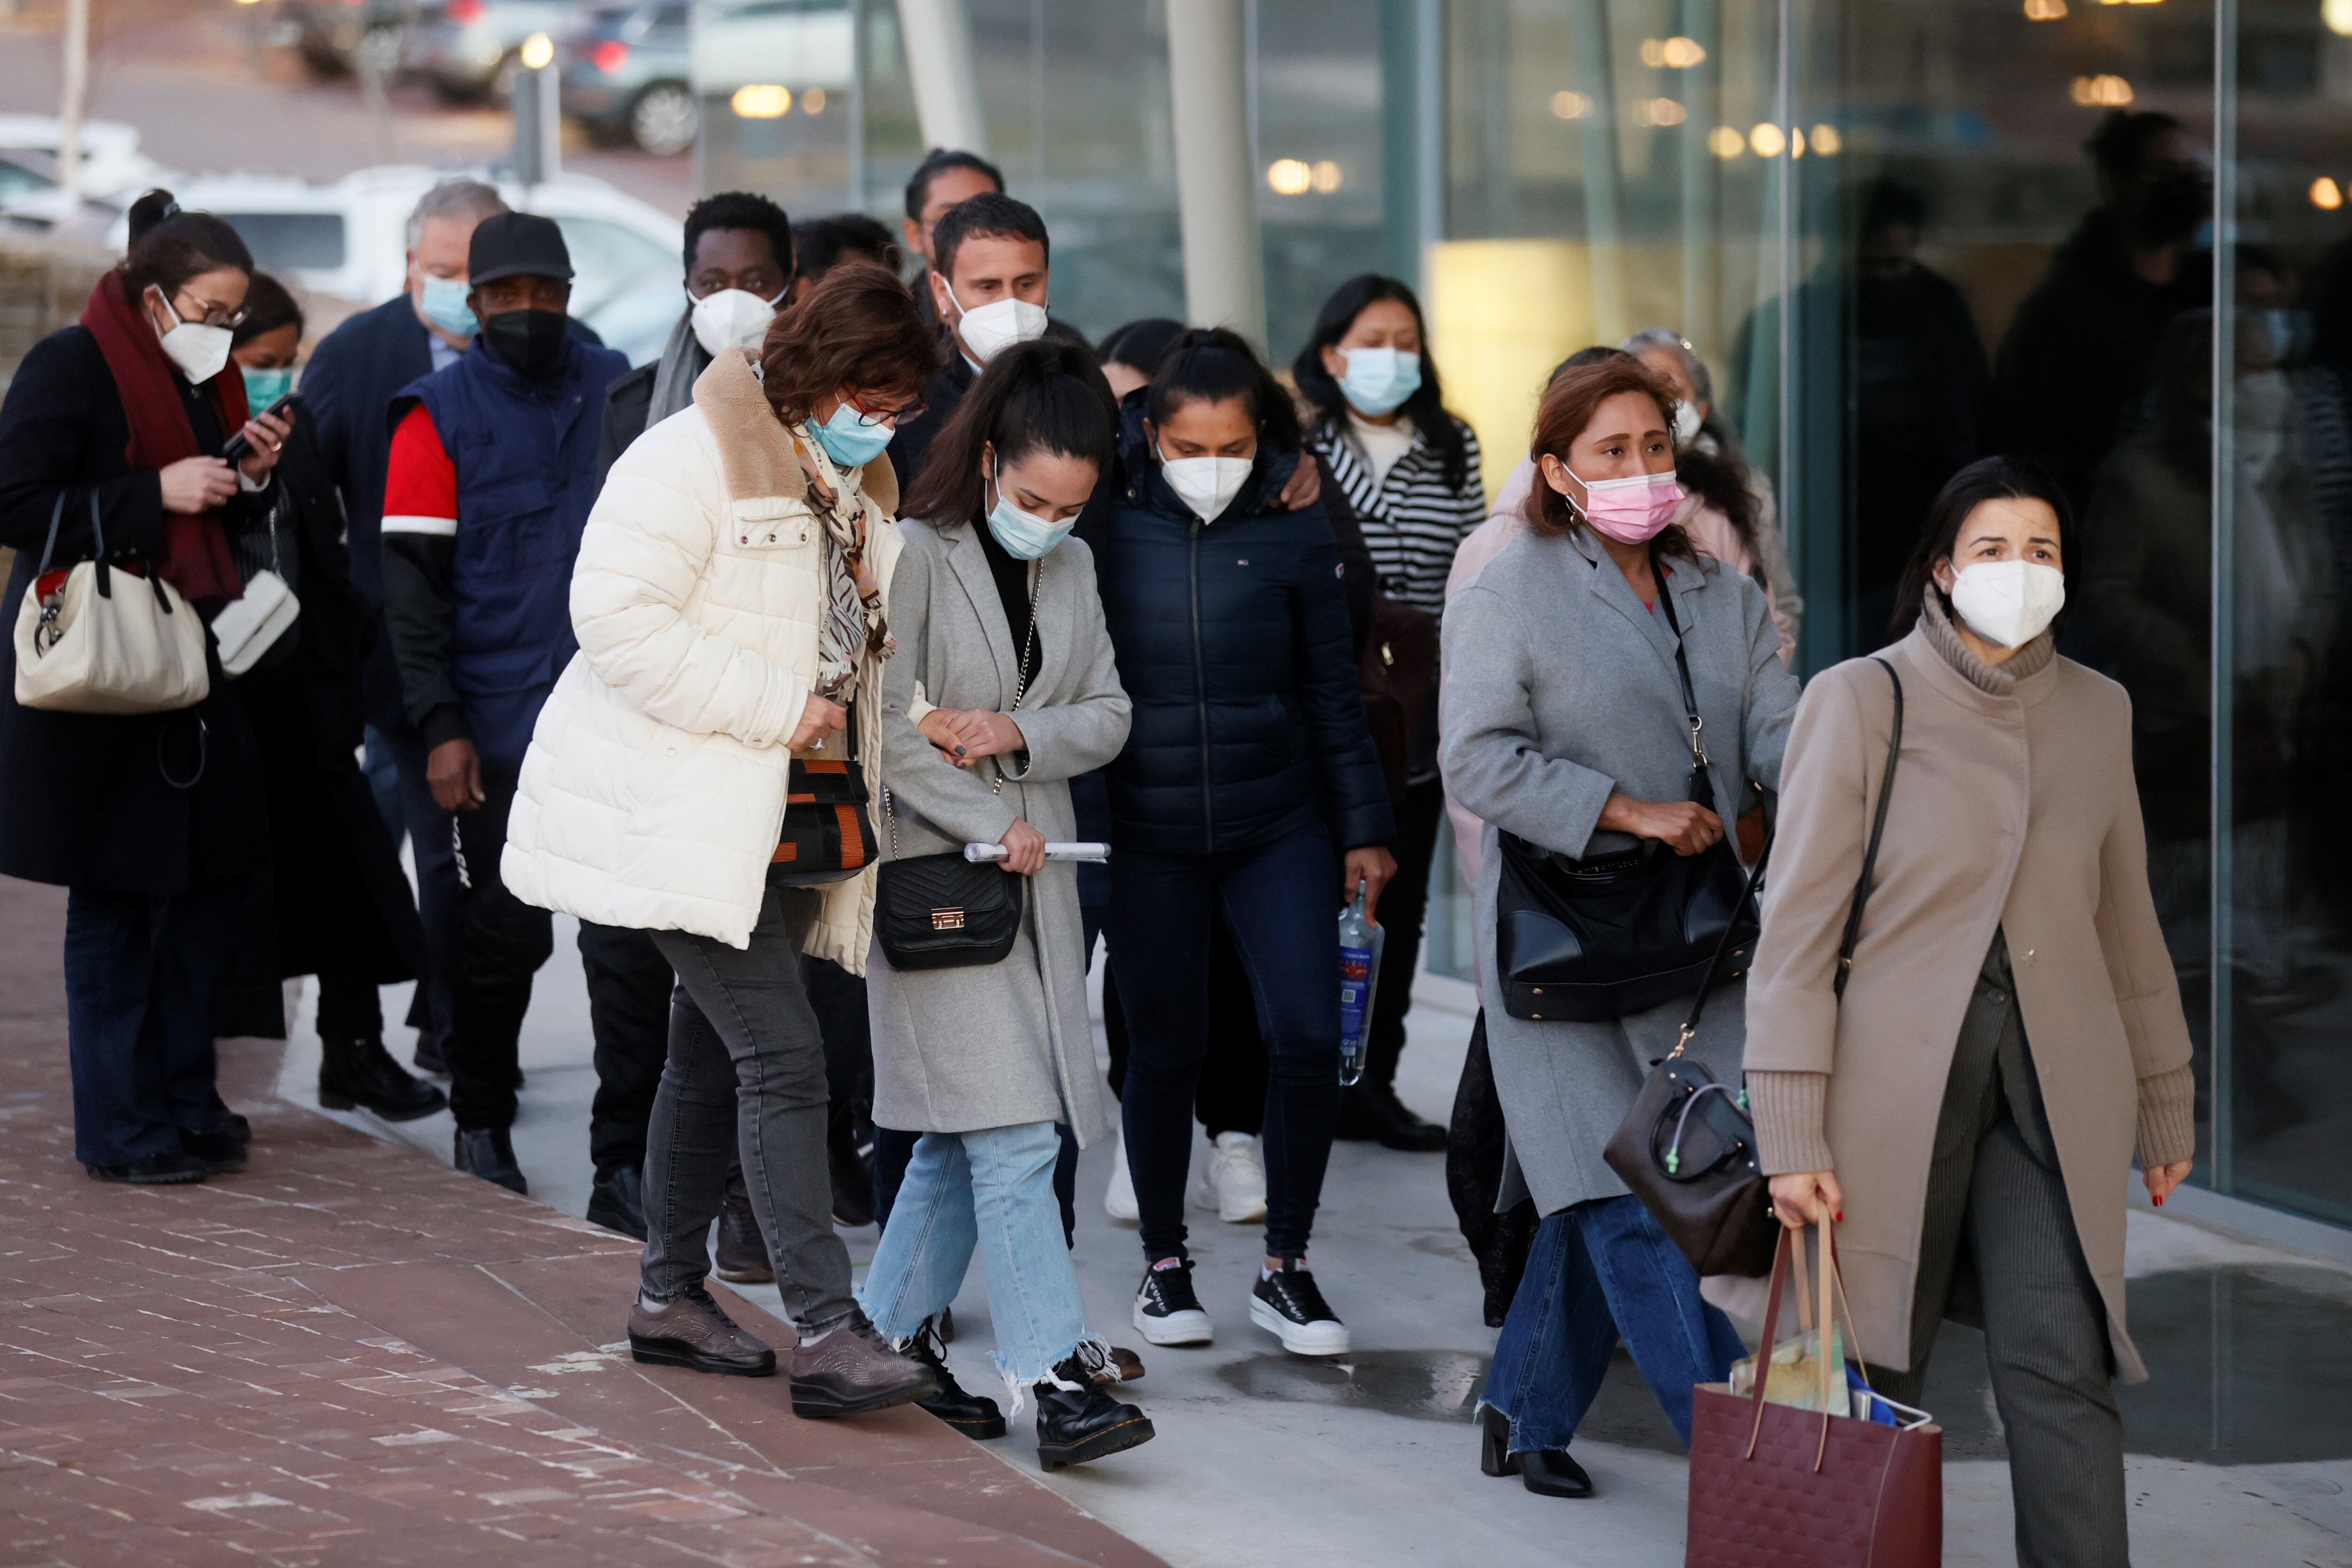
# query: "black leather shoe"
{"type": "Point", "coordinates": [432, 1053]}
{"type": "Point", "coordinates": [1373, 1113]}
{"type": "Point", "coordinates": [360, 1072]}
{"type": "Point", "coordinates": [236, 1126]}
{"type": "Point", "coordinates": [1083, 1422]}
{"type": "Point", "coordinates": [852, 1171]}
{"type": "Point", "coordinates": [1547, 1472]}
{"type": "Point", "coordinates": [976, 1415]}
{"type": "Point", "coordinates": [617, 1201]}
{"type": "Point", "coordinates": [488, 1153]}
{"type": "Point", "coordinates": [219, 1151]}
{"type": "Point", "coordinates": [742, 1252]}
{"type": "Point", "coordinates": [168, 1168]}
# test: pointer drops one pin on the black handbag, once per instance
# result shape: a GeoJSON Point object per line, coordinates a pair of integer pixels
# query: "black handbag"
{"type": "Point", "coordinates": [1590, 940]}
{"type": "Point", "coordinates": [943, 911]}
{"type": "Point", "coordinates": [1687, 1148]}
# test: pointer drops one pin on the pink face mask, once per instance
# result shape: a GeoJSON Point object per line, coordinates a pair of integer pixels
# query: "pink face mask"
{"type": "Point", "coordinates": [1633, 510]}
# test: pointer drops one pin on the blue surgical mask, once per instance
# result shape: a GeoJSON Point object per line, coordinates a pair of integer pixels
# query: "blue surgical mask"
{"type": "Point", "coordinates": [263, 388]}
{"type": "Point", "coordinates": [1380, 380]}
{"type": "Point", "coordinates": [445, 306]}
{"type": "Point", "coordinates": [849, 441]}
{"type": "Point", "coordinates": [1024, 534]}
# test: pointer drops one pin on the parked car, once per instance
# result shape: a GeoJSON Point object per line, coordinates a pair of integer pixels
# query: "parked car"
{"type": "Point", "coordinates": [626, 75]}
{"type": "Point", "coordinates": [350, 239]}
{"type": "Point", "coordinates": [327, 34]}
{"type": "Point", "coordinates": [467, 48]}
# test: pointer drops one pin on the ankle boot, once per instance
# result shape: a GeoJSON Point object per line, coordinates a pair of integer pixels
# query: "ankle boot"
{"type": "Point", "coordinates": [355, 1073]}
{"type": "Point", "coordinates": [1077, 1419]}
{"type": "Point", "coordinates": [1547, 1472]}
{"type": "Point", "coordinates": [976, 1415]}
{"type": "Point", "coordinates": [488, 1153]}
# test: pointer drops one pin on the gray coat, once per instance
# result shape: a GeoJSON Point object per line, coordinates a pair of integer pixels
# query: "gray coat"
{"type": "Point", "coordinates": [1560, 688]}
{"type": "Point", "coordinates": [961, 1049]}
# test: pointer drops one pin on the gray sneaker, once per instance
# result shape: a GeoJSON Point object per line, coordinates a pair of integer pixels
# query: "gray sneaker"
{"type": "Point", "coordinates": [852, 1369]}
{"type": "Point", "coordinates": [691, 1331]}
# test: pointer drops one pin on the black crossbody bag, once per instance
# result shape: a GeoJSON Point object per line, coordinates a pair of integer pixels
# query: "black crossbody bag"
{"type": "Point", "coordinates": [1687, 1148]}
{"type": "Point", "coordinates": [1589, 940]}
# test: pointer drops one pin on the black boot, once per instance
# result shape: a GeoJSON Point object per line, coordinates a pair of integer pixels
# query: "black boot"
{"type": "Point", "coordinates": [742, 1256]}
{"type": "Point", "coordinates": [975, 1415]}
{"type": "Point", "coordinates": [488, 1153]}
{"type": "Point", "coordinates": [852, 1171]}
{"type": "Point", "coordinates": [1547, 1472]}
{"type": "Point", "coordinates": [617, 1201]}
{"type": "Point", "coordinates": [1082, 1422]}
{"type": "Point", "coordinates": [432, 1052]}
{"type": "Point", "coordinates": [356, 1072]}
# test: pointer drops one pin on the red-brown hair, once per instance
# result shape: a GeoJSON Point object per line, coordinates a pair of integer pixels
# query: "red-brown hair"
{"type": "Point", "coordinates": [1566, 412]}
{"type": "Point", "coordinates": [858, 327]}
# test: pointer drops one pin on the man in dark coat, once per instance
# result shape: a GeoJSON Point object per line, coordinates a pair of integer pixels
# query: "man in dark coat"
{"type": "Point", "coordinates": [492, 473]}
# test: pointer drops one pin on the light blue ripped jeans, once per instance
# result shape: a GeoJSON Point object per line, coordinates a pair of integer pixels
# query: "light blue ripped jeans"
{"type": "Point", "coordinates": [992, 1191]}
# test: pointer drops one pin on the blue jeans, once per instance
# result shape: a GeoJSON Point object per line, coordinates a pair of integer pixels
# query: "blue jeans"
{"type": "Point", "coordinates": [141, 974]}
{"type": "Point", "coordinates": [993, 1191]}
{"type": "Point", "coordinates": [1596, 1270]}
{"type": "Point", "coordinates": [1281, 905]}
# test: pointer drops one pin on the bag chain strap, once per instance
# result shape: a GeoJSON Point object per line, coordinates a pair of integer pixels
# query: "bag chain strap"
{"type": "Point", "coordinates": [1020, 691]}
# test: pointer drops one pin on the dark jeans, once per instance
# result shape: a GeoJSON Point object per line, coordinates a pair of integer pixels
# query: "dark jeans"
{"type": "Point", "coordinates": [1280, 902]}
{"type": "Point", "coordinates": [1403, 910]}
{"type": "Point", "coordinates": [397, 758]}
{"type": "Point", "coordinates": [1232, 1093]}
{"type": "Point", "coordinates": [1596, 1270]}
{"type": "Point", "coordinates": [746, 1072]}
{"type": "Point", "coordinates": [348, 1008]}
{"type": "Point", "coordinates": [141, 973]}
{"type": "Point", "coordinates": [503, 943]}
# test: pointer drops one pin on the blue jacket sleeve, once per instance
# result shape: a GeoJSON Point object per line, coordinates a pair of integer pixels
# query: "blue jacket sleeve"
{"type": "Point", "coordinates": [1355, 790]}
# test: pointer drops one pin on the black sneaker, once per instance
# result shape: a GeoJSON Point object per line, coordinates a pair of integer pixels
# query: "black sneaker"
{"type": "Point", "coordinates": [167, 1169]}
{"type": "Point", "coordinates": [1286, 1304]}
{"type": "Point", "coordinates": [976, 1415]}
{"type": "Point", "coordinates": [1166, 1310]}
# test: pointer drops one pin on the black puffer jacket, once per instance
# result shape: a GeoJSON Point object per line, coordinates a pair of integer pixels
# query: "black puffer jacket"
{"type": "Point", "coordinates": [1234, 645]}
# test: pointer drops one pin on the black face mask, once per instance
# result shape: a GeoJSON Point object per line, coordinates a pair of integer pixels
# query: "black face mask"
{"type": "Point", "coordinates": [531, 343]}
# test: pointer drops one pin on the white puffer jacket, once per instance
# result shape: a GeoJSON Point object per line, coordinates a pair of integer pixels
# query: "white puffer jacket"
{"type": "Point", "coordinates": [654, 788]}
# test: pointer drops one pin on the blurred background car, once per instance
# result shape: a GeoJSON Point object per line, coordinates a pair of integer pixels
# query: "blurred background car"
{"type": "Point", "coordinates": [628, 73]}
{"type": "Point", "coordinates": [349, 239]}
{"type": "Point", "coordinates": [467, 48]}
{"type": "Point", "coordinates": [327, 34]}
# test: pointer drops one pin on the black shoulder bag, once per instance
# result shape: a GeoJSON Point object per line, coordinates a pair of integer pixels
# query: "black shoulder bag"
{"type": "Point", "coordinates": [943, 911]}
{"type": "Point", "coordinates": [1589, 940]}
{"type": "Point", "coordinates": [1687, 1148]}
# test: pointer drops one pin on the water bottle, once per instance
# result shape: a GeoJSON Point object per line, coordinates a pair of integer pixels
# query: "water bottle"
{"type": "Point", "coordinates": [1360, 941]}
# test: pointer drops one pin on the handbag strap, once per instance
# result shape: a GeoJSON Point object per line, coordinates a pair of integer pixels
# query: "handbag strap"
{"type": "Point", "coordinates": [1829, 1278]}
{"type": "Point", "coordinates": [1020, 691]}
{"type": "Point", "coordinates": [1877, 831]}
{"type": "Point", "coordinates": [1682, 662]}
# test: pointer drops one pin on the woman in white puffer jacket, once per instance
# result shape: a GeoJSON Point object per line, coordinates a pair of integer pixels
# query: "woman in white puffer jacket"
{"type": "Point", "coordinates": [729, 602]}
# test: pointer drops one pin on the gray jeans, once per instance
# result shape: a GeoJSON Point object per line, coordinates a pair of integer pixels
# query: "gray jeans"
{"type": "Point", "coordinates": [1999, 1245]}
{"type": "Point", "coordinates": [746, 1070]}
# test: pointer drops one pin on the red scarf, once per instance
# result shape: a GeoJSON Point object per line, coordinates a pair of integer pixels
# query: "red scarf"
{"type": "Point", "coordinates": [195, 548]}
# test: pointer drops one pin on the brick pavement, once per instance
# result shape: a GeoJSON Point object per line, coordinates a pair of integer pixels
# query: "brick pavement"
{"type": "Point", "coordinates": [348, 1354]}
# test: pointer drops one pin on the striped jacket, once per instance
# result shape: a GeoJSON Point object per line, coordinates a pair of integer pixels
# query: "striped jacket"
{"type": "Point", "coordinates": [1414, 520]}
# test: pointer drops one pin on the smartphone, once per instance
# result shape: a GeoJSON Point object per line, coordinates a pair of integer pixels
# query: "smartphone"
{"type": "Point", "coordinates": [238, 446]}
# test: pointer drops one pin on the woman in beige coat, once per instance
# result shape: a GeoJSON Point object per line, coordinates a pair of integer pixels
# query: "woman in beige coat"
{"type": "Point", "coordinates": [2011, 1030]}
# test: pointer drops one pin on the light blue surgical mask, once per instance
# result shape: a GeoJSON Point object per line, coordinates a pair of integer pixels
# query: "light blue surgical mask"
{"type": "Point", "coordinates": [445, 306]}
{"type": "Point", "coordinates": [1380, 380]}
{"type": "Point", "coordinates": [263, 388]}
{"type": "Point", "coordinates": [849, 441]}
{"type": "Point", "coordinates": [1024, 534]}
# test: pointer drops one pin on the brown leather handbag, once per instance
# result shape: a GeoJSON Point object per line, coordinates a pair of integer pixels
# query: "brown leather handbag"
{"type": "Point", "coordinates": [1772, 1485]}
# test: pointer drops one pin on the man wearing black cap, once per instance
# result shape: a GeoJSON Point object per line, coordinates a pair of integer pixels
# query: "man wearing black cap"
{"type": "Point", "coordinates": [492, 474]}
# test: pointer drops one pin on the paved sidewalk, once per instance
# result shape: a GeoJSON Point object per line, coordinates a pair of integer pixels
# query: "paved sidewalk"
{"type": "Point", "coordinates": [350, 1354]}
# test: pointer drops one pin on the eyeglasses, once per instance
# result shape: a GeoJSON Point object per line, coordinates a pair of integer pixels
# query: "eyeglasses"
{"type": "Point", "coordinates": [893, 417]}
{"type": "Point", "coordinates": [209, 315]}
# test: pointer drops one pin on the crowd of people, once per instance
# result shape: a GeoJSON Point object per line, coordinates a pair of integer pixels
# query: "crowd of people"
{"type": "Point", "coordinates": [733, 656]}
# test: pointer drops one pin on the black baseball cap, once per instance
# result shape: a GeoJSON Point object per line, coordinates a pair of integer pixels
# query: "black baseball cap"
{"type": "Point", "coordinates": [507, 244]}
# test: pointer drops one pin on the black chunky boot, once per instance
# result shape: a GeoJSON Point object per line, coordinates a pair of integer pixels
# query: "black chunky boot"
{"type": "Point", "coordinates": [976, 1415]}
{"type": "Point", "coordinates": [1077, 1419]}
{"type": "Point", "coordinates": [360, 1072]}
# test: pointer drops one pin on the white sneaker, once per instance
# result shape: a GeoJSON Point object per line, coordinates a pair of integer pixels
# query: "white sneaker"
{"type": "Point", "coordinates": [1118, 1198]}
{"type": "Point", "coordinates": [1232, 1180]}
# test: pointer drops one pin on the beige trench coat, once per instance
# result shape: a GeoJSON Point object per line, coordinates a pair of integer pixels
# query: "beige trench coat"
{"type": "Point", "coordinates": [2015, 812]}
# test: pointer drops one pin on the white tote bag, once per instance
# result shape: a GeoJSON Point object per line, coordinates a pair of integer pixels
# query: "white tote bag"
{"type": "Point", "coordinates": [106, 641]}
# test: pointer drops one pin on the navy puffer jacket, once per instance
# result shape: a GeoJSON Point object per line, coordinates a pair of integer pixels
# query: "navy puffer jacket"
{"type": "Point", "coordinates": [1234, 646]}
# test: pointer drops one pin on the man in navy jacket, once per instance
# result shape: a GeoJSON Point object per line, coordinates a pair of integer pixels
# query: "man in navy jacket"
{"type": "Point", "coordinates": [491, 477]}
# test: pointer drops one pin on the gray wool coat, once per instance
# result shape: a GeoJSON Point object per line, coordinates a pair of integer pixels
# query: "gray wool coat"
{"type": "Point", "coordinates": [1560, 688]}
{"type": "Point", "coordinates": [961, 1050]}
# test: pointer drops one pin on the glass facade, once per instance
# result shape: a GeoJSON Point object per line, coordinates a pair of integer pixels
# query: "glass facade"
{"type": "Point", "coordinates": [2110, 235]}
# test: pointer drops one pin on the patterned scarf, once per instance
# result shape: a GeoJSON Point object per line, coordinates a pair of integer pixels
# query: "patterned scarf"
{"type": "Point", "coordinates": [854, 625]}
